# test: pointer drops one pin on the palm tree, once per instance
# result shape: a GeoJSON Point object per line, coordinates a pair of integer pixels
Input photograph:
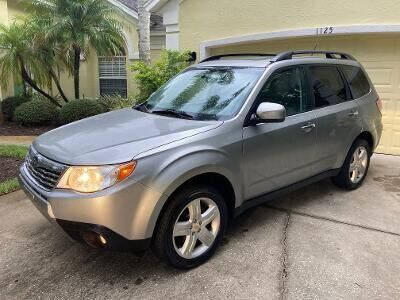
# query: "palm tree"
{"type": "Point", "coordinates": [144, 32]}
{"type": "Point", "coordinates": [80, 25]}
{"type": "Point", "coordinates": [18, 60]}
{"type": "Point", "coordinates": [48, 52]}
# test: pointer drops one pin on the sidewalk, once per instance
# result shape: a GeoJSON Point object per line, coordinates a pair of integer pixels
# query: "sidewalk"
{"type": "Point", "coordinates": [17, 140]}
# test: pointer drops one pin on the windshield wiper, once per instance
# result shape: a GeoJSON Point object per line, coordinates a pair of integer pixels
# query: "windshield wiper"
{"type": "Point", "coordinates": [141, 107]}
{"type": "Point", "coordinates": [174, 113]}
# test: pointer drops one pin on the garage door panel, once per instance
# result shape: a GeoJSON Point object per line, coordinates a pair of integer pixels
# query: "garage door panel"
{"type": "Point", "coordinates": [384, 75]}
{"type": "Point", "coordinates": [396, 141]}
{"type": "Point", "coordinates": [376, 49]}
{"type": "Point", "coordinates": [385, 141]}
{"type": "Point", "coordinates": [390, 142]}
{"type": "Point", "coordinates": [389, 108]}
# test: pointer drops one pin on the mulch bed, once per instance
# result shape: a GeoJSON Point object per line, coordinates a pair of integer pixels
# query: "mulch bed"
{"type": "Point", "coordinates": [9, 167]}
{"type": "Point", "coordinates": [13, 129]}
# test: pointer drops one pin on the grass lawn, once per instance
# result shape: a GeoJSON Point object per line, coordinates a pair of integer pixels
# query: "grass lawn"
{"type": "Point", "coordinates": [14, 151]}
{"type": "Point", "coordinates": [9, 186]}
{"type": "Point", "coordinates": [9, 182]}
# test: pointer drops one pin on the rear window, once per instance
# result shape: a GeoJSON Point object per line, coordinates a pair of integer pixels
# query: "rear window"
{"type": "Point", "coordinates": [358, 82]}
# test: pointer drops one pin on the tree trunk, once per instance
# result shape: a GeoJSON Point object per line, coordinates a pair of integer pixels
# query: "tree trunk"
{"type": "Point", "coordinates": [25, 77]}
{"type": "Point", "coordinates": [77, 65]}
{"type": "Point", "coordinates": [32, 83]}
{"type": "Point", "coordinates": [25, 88]}
{"type": "Point", "coordinates": [144, 31]}
{"type": "Point", "coordinates": [58, 85]}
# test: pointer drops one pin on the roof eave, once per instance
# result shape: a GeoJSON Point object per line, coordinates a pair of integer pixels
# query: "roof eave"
{"type": "Point", "coordinates": [155, 5]}
{"type": "Point", "coordinates": [130, 12]}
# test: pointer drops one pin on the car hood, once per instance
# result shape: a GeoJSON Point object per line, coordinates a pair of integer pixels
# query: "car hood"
{"type": "Point", "coordinates": [115, 137]}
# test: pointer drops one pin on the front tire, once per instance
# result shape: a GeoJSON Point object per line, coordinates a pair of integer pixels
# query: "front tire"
{"type": "Point", "coordinates": [191, 227]}
{"type": "Point", "coordinates": [355, 167]}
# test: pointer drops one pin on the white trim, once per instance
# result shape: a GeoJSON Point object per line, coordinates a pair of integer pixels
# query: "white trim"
{"type": "Point", "coordinates": [135, 55]}
{"type": "Point", "coordinates": [157, 33]}
{"type": "Point", "coordinates": [172, 28]}
{"type": "Point", "coordinates": [129, 45]}
{"type": "Point", "coordinates": [295, 33]}
{"type": "Point", "coordinates": [125, 9]}
{"type": "Point", "coordinates": [155, 5]}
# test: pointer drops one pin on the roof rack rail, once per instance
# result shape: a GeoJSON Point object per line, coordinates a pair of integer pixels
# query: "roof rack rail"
{"type": "Point", "coordinates": [328, 54]}
{"type": "Point", "coordinates": [217, 57]}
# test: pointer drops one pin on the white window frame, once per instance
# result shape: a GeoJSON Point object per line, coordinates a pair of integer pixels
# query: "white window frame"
{"type": "Point", "coordinates": [115, 71]}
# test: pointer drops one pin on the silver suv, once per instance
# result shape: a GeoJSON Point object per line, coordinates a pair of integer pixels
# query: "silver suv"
{"type": "Point", "coordinates": [226, 134]}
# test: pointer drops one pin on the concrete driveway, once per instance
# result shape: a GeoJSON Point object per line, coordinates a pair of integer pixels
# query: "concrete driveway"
{"type": "Point", "coordinates": [319, 242]}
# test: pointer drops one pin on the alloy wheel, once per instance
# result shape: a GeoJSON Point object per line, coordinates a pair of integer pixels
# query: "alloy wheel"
{"type": "Point", "coordinates": [358, 164]}
{"type": "Point", "coordinates": [196, 228]}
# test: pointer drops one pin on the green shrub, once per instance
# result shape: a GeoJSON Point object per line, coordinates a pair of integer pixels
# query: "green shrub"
{"type": "Point", "coordinates": [79, 109]}
{"type": "Point", "coordinates": [151, 77]}
{"type": "Point", "coordinates": [36, 112]}
{"type": "Point", "coordinates": [8, 105]}
{"type": "Point", "coordinates": [110, 103]}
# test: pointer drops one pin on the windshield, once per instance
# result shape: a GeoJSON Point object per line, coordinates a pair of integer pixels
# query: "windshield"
{"type": "Point", "coordinates": [204, 93]}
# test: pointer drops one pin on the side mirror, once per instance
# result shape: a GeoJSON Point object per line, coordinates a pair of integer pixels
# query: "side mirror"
{"type": "Point", "coordinates": [268, 112]}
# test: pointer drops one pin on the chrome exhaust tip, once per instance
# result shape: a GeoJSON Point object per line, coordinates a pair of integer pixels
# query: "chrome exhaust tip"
{"type": "Point", "coordinates": [94, 239]}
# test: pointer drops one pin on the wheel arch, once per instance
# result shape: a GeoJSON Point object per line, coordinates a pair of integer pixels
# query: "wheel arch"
{"type": "Point", "coordinates": [213, 178]}
{"type": "Point", "coordinates": [195, 164]}
{"type": "Point", "coordinates": [366, 135]}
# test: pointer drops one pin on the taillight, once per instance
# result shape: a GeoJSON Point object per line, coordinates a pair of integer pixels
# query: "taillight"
{"type": "Point", "coordinates": [379, 104]}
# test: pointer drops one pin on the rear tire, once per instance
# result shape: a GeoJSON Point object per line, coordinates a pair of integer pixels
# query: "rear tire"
{"type": "Point", "coordinates": [191, 227]}
{"type": "Point", "coordinates": [355, 167]}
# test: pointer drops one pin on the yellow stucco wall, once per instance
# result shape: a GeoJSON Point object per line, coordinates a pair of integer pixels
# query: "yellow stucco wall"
{"type": "Point", "coordinates": [3, 12]}
{"type": "Point", "coordinates": [204, 20]}
{"type": "Point", "coordinates": [15, 9]}
{"type": "Point", "coordinates": [4, 21]}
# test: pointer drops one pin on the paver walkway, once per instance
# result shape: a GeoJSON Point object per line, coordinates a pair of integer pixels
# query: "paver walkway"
{"type": "Point", "coordinates": [17, 140]}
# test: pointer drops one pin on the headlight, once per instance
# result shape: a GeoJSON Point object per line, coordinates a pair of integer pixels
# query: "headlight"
{"type": "Point", "coordinates": [93, 179]}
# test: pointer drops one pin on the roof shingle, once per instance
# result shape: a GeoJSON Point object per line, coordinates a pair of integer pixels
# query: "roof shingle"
{"type": "Point", "coordinates": [132, 4]}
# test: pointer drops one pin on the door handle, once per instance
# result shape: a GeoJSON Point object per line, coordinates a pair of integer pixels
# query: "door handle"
{"type": "Point", "coordinates": [308, 127]}
{"type": "Point", "coordinates": [353, 113]}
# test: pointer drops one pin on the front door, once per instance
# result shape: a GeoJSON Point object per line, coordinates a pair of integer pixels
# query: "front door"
{"type": "Point", "coordinates": [279, 154]}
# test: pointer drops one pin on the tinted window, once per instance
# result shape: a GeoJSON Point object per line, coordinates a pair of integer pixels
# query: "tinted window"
{"type": "Point", "coordinates": [358, 82]}
{"type": "Point", "coordinates": [327, 86]}
{"type": "Point", "coordinates": [286, 87]}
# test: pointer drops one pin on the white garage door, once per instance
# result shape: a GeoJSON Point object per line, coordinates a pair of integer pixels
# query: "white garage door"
{"type": "Point", "coordinates": [379, 54]}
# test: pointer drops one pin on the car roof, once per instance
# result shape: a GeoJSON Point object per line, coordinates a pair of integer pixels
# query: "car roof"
{"type": "Point", "coordinates": [263, 60]}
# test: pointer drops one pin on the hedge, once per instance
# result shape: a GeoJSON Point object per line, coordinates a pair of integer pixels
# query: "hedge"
{"type": "Point", "coordinates": [79, 109]}
{"type": "Point", "coordinates": [10, 104]}
{"type": "Point", "coordinates": [36, 112]}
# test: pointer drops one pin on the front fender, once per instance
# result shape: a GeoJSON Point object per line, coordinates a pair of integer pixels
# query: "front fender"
{"type": "Point", "coordinates": [171, 170]}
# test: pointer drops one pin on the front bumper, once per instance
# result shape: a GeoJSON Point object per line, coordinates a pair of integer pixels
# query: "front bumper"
{"type": "Point", "coordinates": [76, 231]}
{"type": "Point", "coordinates": [125, 214]}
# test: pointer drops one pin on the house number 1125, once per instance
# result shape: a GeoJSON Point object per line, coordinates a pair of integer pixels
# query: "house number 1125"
{"type": "Point", "coordinates": [325, 30]}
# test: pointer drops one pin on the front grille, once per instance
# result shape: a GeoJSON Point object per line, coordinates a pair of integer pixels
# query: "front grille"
{"type": "Point", "coordinates": [43, 170]}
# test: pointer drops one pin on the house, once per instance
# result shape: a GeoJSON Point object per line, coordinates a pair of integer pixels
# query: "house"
{"type": "Point", "coordinates": [100, 75]}
{"type": "Point", "coordinates": [369, 30]}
